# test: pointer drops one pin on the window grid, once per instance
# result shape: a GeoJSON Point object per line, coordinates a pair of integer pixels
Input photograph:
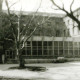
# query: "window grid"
{"type": "Point", "coordinates": [10, 54]}
{"type": "Point", "coordinates": [49, 48]}
{"type": "Point", "coordinates": [76, 48]}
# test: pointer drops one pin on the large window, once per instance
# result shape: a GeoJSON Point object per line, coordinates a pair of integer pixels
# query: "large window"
{"type": "Point", "coordinates": [56, 48]}
{"type": "Point", "coordinates": [10, 54]}
{"type": "Point", "coordinates": [76, 48]}
{"type": "Point", "coordinates": [60, 48]}
{"type": "Point", "coordinates": [70, 47]}
{"type": "Point", "coordinates": [48, 48]}
{"type": "Point", "coordinates": [39, 48]}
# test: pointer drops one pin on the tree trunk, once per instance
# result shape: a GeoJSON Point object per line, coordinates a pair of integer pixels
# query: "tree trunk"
{"type": "Point", "coordinates": [21, 62]}
{"type": "Point", "coordinates": [20, 58]}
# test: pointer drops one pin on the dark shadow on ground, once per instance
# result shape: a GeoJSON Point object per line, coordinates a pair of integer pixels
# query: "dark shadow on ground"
{"type": "Point", "coordinates": [30, 68]}
{"type": "Point", "coordinates": [3, 78]}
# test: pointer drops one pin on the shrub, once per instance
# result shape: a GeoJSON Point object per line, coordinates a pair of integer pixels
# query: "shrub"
{"type": "Point", "coordinates": [60, 60]}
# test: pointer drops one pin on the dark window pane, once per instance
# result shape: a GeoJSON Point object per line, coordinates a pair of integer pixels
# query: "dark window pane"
{"type": "Point", "coordinates": [39, 48]}
{"type": "Point", "coordinates": [49, 43]}
{"type": "Point", "coordinates": [10, 52]}
{"type": "Point", "coordinates": [55, 48]}
{"type": "Point", "coordinates": [65, 43]}
{"type": "Point", "coordinates": [34, 52]}
{"type": "Point", "coordinates": [50, 48]}
{"type": "Point", "coordinates": [79, 47]}
{"type": "Point", "coordinates": [28, 52]}
{"type": "Point", "coordinates": [39, 52]}
{"type": "Point", "coordinates": [45, 52]}
{"type": "Point", "coordinates": [66, 47]}
{"type": "Point", "coordinates": [13, 54]}
{"type": "Point", "coordinates": [10, 57]}
{"type": "Point", "coordinates": [7, 52]}
{"type": "Point", "coordinates": [70, 52]}
{"type": "Point", "coordinates": [39, 43]}
{"type": "Point", "coordinates": [76, 47]}
{"type": "Point", "coordinates": [55, 52]}
{"type": "Point", "coordinates": [45, 43]}
{"type": "Point", "coordinates": [34, 48]}
{"type": "Point", "coordinates": [60, 48]}
{"type": "Point", "coordinates": [71, 44]}
{"type": "Point", "coordinates": [45, 47]}
{"type": "Point", "coordinates": [34, 43]}
{"type": "Point", "coordinates": [75, 44]}
{"type": "Point", "coordinates": [76, 52]}
{"type": "Point", "coordinates": [70, 47]}
{"type": "Point", "coordinates": [60, 52]}
{"type": "Point", "coordinates": [60, 43]}
{"type": "Point", "coordinates": [28, 43]}
{"type": "Point", "coordinates": [23, 52]}
{"type": "Point", "coordinates": [7, 57]}
{"type": "Point", "coordinates": [79, 52]}
{"type": "Point", "coordinates": [50, 52]}
{"type": "Point", "coordinates": [55, 43]}
{"type": "Point", "coordinates": [66, 52]}
{"type": "Point", "coordinates": [79, 43]}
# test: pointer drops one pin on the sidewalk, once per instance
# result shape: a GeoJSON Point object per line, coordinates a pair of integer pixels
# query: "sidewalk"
{"type": "Point", "coordinates": [63, 71]}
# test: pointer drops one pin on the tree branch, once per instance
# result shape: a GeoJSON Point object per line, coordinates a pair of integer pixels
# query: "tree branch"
{"type": "Point", "coordinates": [28, 24]}
{"type": "Point", "coordinates": [8, 39]}
{"type": "Point", "coordinates": [26, 38]}
{"type": "Point", "coordinates": [68, 14]}
{"type": "Point", "coordinates": [13, 4]}
{"type": "Point", "coordinates": [71, 6]}
{"type": "Point", "coordinates": [10, 19]}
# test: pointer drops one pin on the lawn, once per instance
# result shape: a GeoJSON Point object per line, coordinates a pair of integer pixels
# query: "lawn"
{"type": "Point", "coordinates": [55, 71]}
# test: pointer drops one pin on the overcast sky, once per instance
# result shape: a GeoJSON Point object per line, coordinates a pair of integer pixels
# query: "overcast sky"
{"type": "Point", "coordinates": [46, 5]}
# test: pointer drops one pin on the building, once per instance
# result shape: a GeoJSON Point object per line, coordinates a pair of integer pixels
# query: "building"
{"type": "Point", "coordinates": [41, 45]}
{"type": "Point", "coordinates": [72, 25]}
{"type": "Point", "coordinates": [49, 41]}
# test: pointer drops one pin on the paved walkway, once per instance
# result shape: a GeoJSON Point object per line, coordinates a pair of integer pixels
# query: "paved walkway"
{"type": "Point", "coordinates": [64, 71]}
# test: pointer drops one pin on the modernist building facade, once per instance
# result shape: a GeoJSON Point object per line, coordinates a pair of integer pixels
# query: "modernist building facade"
{"type": "Point", "coordinates": [49, 41]}
{"type": "Point", "coordinates": [49, 48]}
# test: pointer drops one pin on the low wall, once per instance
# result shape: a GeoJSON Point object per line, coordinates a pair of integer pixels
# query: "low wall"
{"type": "Point", "coordinates": [27, 61]}
{"type": "Point", "coordinates": [7, 78]}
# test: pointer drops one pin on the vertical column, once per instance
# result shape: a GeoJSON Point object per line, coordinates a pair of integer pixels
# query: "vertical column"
{"type": "Point", "coordinates": [48, 47]}
{"type": "Point", "coordinates": [1, 1]}
{"type": "Point", "coordinates": [73, 49]}
{"type": "Point", "coordinates": [78, 48]}
{"type": "Point", "coordinates": [31, 44]}
{"type": "Point", "coordinates": [42, 44]}
{"type": "Point", "coordinates": [53, 47]}
{"type": "Point", "coordinates": [63, 49]}
{"type": "Point", "coordinates": [58, 48]}
{"type": "Point", "coordinates": [68, 48]}
{"type": "Point", "coordinates": [37, 48]}
{"type": "Point", "coordinates": [25, 48]}
{"type": "Point", "coordinates": [31, 47]}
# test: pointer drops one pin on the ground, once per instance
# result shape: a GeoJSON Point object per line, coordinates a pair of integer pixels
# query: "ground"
{"type": "Point", "coordinates": [55, 71]}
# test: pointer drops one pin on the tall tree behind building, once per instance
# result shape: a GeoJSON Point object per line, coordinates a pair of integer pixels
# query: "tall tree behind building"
{"type": "Point", "coordinates": [1, 5]}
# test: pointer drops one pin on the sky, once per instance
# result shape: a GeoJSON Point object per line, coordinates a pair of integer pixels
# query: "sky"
{"type": "Point", "coordinates": [46, 5]}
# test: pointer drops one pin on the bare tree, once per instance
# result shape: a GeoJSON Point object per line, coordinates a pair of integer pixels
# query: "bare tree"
{"type": "Point", "coordinates": [69, 14]}
{"type": "Point", "coordinates": [20, 26]}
